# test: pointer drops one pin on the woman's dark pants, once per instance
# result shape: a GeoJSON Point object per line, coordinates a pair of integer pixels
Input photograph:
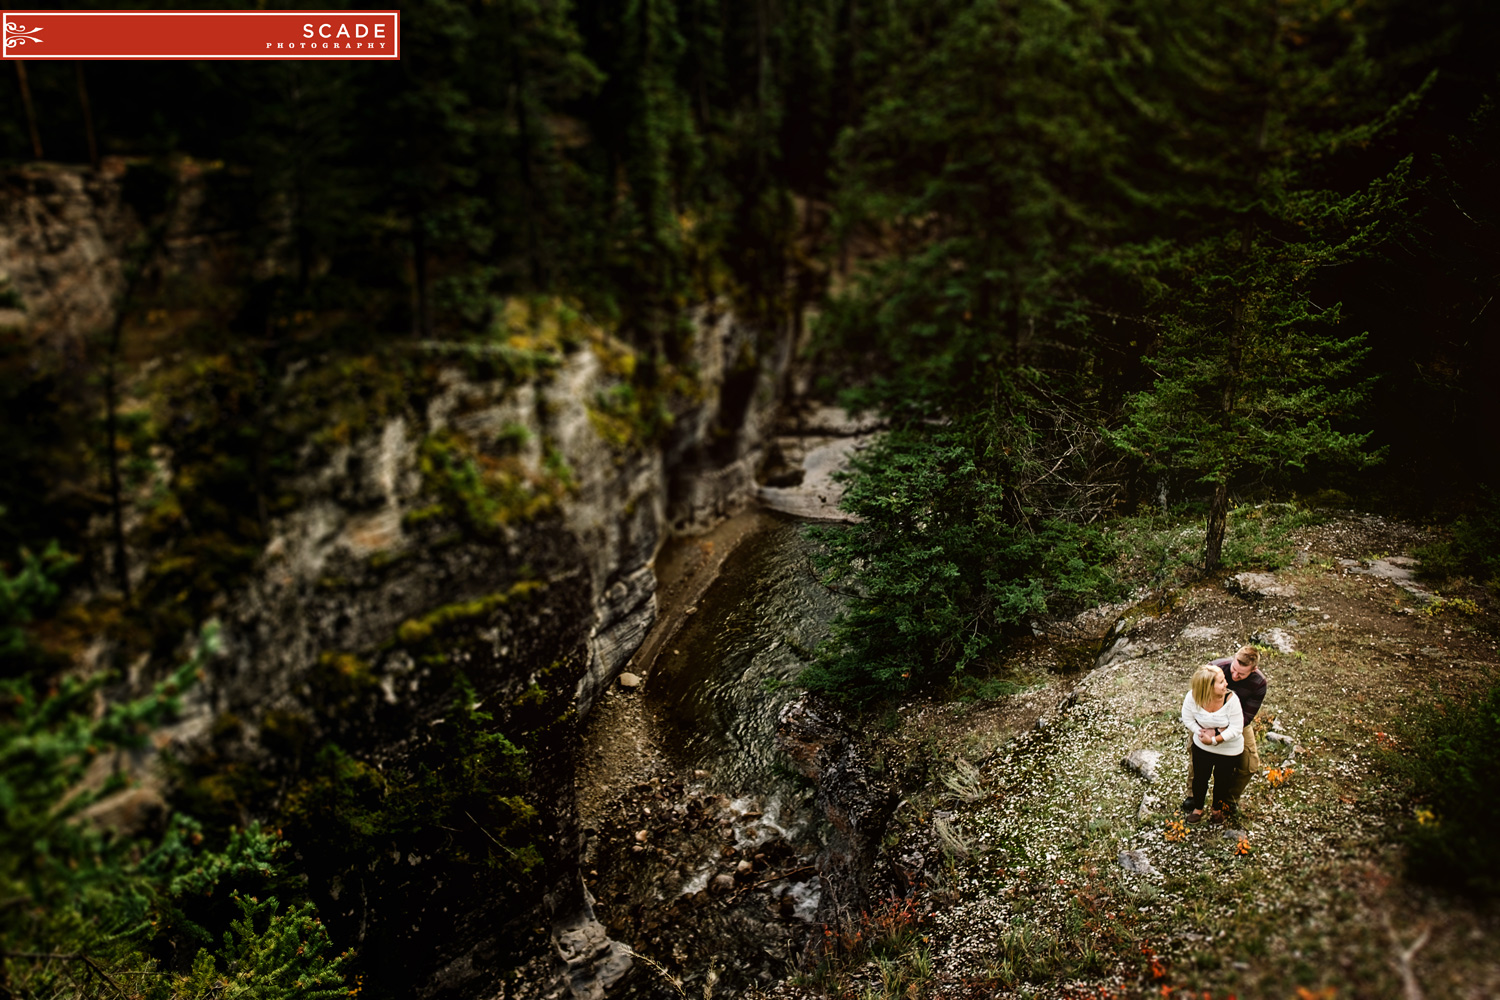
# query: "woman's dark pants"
{"type": "Point", "coordinates": [1221, 766]}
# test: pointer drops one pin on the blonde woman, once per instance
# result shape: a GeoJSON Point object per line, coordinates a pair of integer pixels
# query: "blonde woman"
{"type": "Point", "coordinates": [1242, 671]}
{"type": "Point", "coordinates": [1213, 714]}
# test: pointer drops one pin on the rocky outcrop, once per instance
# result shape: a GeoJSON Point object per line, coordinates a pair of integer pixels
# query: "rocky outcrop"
{"type": "Point", "coordinates": [592, 963]}
{"type": "Point", "coordinates": [61, 235]}
{"type": "Point", "coordinates": [816, 494]}
{"type": "Point", "coordinates": [131, 812]}
{"type": "Point", "coordinates": [67, 234]}
{"type": "Point", "coordinates": [603, 537]}
{"type": "Point", "coordinates": [1257, 586]}
{"type": "Point", "coordinates": [623, 616]}
{"type": "Point", "coordinates": [811, 446]}
{"type": "Point", "coordinates": [1400, 570]}
{"type": "Point", "coordinates": [858, 802]}
{"type": "Point", "coordinates": [1123, 650]}
{"type": "Point", "coordinates": [1143, 762]}
{"type": "Point", "coordinates": [1136, 861]}
{"type": "Point", "coordinates": [717, 448]}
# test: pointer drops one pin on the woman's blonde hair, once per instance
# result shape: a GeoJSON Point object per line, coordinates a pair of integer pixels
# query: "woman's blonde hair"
{"type": "Point", "coordinates": [1203, 683]}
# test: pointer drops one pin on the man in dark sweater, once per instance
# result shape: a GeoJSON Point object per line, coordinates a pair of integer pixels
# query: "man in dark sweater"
{"type": "Point", "coordinates": [1249, 685]}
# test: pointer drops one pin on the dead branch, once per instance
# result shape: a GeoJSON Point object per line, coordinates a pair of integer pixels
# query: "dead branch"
{"type": "Point", "coordinates": [1403, 956]}
{"type": "Point", "coordinates": [775, 878]}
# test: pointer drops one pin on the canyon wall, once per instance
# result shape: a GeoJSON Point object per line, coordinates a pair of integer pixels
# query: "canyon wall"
{"type": "Point", "coordinates": [481, 525]}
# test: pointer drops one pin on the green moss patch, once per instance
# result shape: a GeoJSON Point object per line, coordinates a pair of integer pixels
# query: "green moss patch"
{"type": "Point", "coordinates": [483, 489]}
{"type": "Point", "coordinates": [417, 630]}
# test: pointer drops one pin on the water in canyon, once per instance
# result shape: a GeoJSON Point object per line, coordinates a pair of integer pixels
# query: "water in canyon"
{"type": "Point", "coordinates": [733, 663]}
{"type": "Point", "coordinates": [705, 865]}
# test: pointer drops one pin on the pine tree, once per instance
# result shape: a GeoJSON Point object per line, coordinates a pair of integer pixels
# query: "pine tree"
{"type": "Point", "coordinates": [1243, 110]}
{"type": "Point", "coordinates": [938, 569]}
{"type": "Point", "coordinates": [980, 168]}
{"type": "Point", "coordinates": [981, 164]}
{"type": "Point", "coordinates": [526, 116]}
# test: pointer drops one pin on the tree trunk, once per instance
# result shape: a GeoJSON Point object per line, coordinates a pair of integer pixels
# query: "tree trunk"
{"type": "Point", "coordinates": [265, 360]}
{"type": "Point", "coordinates": [36, 136]}
{"type": "Point", "coordinates": [524, 154]}
{"type": "Point", "coordinates": [700, 75]}
{"type": "Point", "coordinates": [1218, 519]}
{"type": "Point", "coordinates": [851, 81]}
{"type": "Point", "coordinates": [762, 86]}
{"type": "Point", "coordinates": [849, 29]}
{"type": "Point", "coordinates": [88, 116]}
{"type": "Point", "coordinates": [421, 320]}
{"type": "Point", "coordinates": [1239, 333]}
{"type": "Point", "coordinates": [148, 251]}
{"type": "Point", "coordinates": [112, 453]}
{"type": "Point", "coordinates": [1013, 321]}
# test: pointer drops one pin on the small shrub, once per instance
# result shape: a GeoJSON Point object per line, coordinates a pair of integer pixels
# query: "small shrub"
{"type": "Point", "coordinates": [415, 631]}
{"type": "Point", "coordinates": [1458, 793]}
{"type": "Point", "coordinates": [466, 779]}
{"type": "Point", "coordinates": [1453, 605]}
{"type": "Point", "coordinates": [1472, 548]}
{"type": "Point", "coordinates": [32, 591]}
{"type": "Point", "coordinates": [1159, 548]}
{"type": "Point", "coordinates": [86, 908]}
{"type": "Point", "coordinates": [1260, 535]}
{"type": "Point", "coordinates": [940, 566]}
{"type": "Point", "coordinates": [1329, 499]}
{"type": "Point", "coordinates": [485, 489]}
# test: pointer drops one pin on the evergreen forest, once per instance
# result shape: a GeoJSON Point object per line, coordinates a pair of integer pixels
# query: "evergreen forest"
{"type": "Point", "coordinates": [1089, 264]}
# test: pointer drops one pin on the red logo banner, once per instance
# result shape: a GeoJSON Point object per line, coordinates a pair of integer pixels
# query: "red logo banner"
{"type": "Point", "coordinates": [202, 34]}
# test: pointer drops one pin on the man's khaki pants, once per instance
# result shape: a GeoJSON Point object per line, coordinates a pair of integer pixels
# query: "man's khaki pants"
{"type": "Point", "coordinates": [1249, 768]}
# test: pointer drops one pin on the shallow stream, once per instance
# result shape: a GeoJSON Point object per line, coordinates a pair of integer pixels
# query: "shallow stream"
{"type": "Point", "coordinates": [731, 667]}
{"type": "Point", "coordinates": [706, 867]}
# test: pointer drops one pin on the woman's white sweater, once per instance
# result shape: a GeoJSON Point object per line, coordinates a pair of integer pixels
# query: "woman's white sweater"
{"type": "Point", "coordinates": [1229, 720]}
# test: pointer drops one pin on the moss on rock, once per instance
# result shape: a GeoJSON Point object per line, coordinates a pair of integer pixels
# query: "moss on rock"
{"type": "Point", "coordinates": [417, 630]}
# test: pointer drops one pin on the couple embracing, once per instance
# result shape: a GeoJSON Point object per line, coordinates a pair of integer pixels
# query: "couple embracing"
{"type": "Point", "coordinates": [1219, 711]}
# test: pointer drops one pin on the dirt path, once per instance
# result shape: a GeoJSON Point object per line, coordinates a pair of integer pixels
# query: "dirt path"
{"type": "Point", "coordinates": [1030, 896]}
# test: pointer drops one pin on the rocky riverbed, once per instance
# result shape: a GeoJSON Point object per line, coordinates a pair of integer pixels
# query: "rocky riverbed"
{"type": "Point", "coordinates": [699, 843]}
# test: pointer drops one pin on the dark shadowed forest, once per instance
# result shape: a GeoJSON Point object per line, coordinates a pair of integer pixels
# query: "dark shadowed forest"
{"type": "Point", "coordinates": [1095, 268]}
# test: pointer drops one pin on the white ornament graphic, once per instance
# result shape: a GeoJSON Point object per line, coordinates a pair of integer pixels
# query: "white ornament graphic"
{"type": "Point", "coordinates": [18, 34]}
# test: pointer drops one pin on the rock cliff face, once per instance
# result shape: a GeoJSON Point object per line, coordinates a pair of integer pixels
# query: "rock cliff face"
{"type": "Point", "coordinates": [394, 568]}
{"type": "Point", "coordinates": [61, 236]}
{"type": "Point", "coordinates": [348, 570]}
{"type": "Point", "coordinates": [69, 237]}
